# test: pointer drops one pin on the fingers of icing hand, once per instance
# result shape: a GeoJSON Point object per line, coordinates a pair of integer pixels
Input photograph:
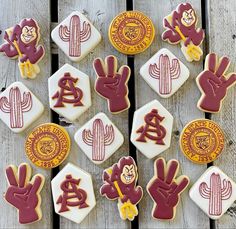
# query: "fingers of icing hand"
{"type": "Point", "coordinates": [125, 73]}
{"type": "Point", "coordinates": [160, 168]}
{"type": "Point", "coordinates": [37, 183]}
{"type": "Point", "coordinates": [171, 171]}
{"type": "Point", "coordinates": [111, 63]}
{"type": "Point", "coordinates": [212, 62]}
{"type": "Point", "coordinates": [22, 175]}
{"type": "Point", "coordinates": [11, 176]}
{"type": "Point", "coordinates": [223, 65]}
{"type": "Point", "coordinates": [231, 80]}
{"type": "Point", "coordinates": [99, 67]}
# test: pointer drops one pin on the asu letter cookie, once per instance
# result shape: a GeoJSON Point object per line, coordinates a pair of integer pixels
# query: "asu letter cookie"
{"type": "Point", "coordinates": [76, 36]}
{"type": "Point", "coordinates": [73, 194]}
{"type": "Point", "coordinates": [48, 145]}
{"type": "Point", "coordinates": [119, 182]}
{"type": "Point", "coordinates": [181, 28]}
{"type": "Point", "coordinates": [23, 193]}
{"type": "Point", "coordinates": [111, 84]}
{"type": "Point", "coordinates": [131, 32]}
{"type": "Point", "coordinates": [214, 83]}
{"type": "Point", "coordinates": [214, 192]}
{"type": "Point", "coordinates": [202, 141]}
{"type": "Point", "coordinates": [165, 189]}
{"type": "Point", "coordinates": [21, 41]}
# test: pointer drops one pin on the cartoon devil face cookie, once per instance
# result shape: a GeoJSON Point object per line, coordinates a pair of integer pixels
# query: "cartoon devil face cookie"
{"type": "Point", "coordinates": [119, 182]}
{"type": "Point", "coordinates": [76, 36]}
{"type": "Point", "coordinates": [214, 192]}
{"type": "Point", "coordinates": [21, 41]}
{"type": "Point", "coordinates": [73, 193]}
{"type": "Point", "coordinates": [99, 138]}
{"type": "Point", "coordinates": [181, 27]}
{"type": "Point", "coordinates": [19, 107]}
{"type": "Point", "coordinates": [164, 73]}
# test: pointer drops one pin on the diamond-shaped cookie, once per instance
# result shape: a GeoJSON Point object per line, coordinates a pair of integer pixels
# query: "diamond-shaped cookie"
{"type": "Point", "coordinates": [76, 36]}
{"type": "Point", "coordinates": [164, 73]}
{"type": "Point", "coordinates": [73, 193]}
{"type": "Point", "coordinates": [19, 107]}
{"type": "Point", "coordinates": [214, 192]}
{"type": "Point", "coordinates": [151, 130]}
{"type": "Point", "coordinates": [99, 138]}
{"type": "Point", "coordinates": [69, 92]}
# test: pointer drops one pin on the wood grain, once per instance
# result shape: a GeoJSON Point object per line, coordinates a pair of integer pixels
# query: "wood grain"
{"type": "Point", "coordinates": [12, 150]}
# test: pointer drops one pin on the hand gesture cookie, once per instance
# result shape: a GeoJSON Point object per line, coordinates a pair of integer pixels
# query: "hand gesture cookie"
{"type": "Point", "coordinates": [111, 84]}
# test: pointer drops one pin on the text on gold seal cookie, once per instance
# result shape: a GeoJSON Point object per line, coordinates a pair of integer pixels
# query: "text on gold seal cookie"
{"type": "Point", "coordinates": [202, 141]}
{"type": "Point", "coordinates": [131, 32]}
{"type": "Point", "coordinates": [48, 145]}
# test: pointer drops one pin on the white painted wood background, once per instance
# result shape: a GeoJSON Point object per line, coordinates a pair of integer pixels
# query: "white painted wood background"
{"type": "Point", "coordinates": [220, 38]}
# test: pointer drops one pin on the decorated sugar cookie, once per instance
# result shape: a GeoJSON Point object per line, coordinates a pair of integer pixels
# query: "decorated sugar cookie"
{"type": "Point", "coordinates": [181, 27]}
{"type": "Point", "coordinates": [214, 83]}
{"type": "Point", "coordinates": [214, 192]}
{"type": "Point", "coordinates": [69, 92]}
{"type": "Point", "coordinates": [23, 193]}
{"type": "Point", "coordinates": [47, 145]}
{"type": "Point", "coordinates": [164, 73]}
{"type": "Point", "coordinates": [152, 128]}
{"type": "Point", "coordinates": [119, 182]}
{"type": "Point", "coordinates": [99, 138]}
{"type": "Point", "coordinates": [111, 84]}
{"type": "Point", "coordinates": [165, 189]}
{"type": "Point", "coordinates": [73, 194]}
{"type": "Point", "coordinates": [21, 41]}
{"type": "Point", "coordinates": [76, 36]}
{"type": "Point", "coordinates": [202, 141]}
{"type": "Point", "coordinates": [19, 107]}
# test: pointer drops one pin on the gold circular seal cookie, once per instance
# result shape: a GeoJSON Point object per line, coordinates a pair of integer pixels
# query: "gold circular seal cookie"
{"type": "Point", "coordinates": [202, 141]}
{"type": "Point", "coordinates": [48, 145]}
{"type": "Point", "coordinates": [131, 32]}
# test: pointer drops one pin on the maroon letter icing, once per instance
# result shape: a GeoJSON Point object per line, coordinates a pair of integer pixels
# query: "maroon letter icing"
{"type": "Point", "coordinates": [165, 189]}
{"type": "Point", "coordinates": [111, 84]}
{"type": "Point", "coordinates": [24, 195]}
{"type": "Point", "coordinates": [216, 193]}
{"type": "Point", "coordinates": [99, 138]}
{"type": "Point", "coordinates": [213, 83]}
{"type": "Point", "coordinates": [152, 120]}
{"type": "Point", "coordinates": [71, 191]}
{"type": "Point", "coordinates": [67, 85]}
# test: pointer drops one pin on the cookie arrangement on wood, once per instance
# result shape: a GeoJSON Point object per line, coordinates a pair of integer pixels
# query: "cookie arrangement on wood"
{"type": "Point", "coordinates": [48, 145]}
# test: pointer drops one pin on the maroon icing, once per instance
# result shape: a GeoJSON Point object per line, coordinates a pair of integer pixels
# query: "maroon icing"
{"type": "Point", "coordinates": [130, 191]}
{"type": "Point", "coordinates": [23, 196]}
{"type": "Point", "coordinates": [164, 190]}
{"type": "Point", "coordinates": [214, 83]}
{"type": "Point", "coordinates": [112, 84]}
{"type": "Point", "coordinates": [71, 191]}
{"type": "Point", "coordinates": [152, 128]}
{"type": "Point", "coordinates": [31, 51]}
{"type": "Point", "coordinates": [67, 88]}
{"type": "Point", "coordinates": [192, 34]}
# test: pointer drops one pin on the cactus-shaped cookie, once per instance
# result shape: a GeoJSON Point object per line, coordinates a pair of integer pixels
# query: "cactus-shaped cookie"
{"type": "Point", "coordinates": [75, 35]}
{"type": "Point", "coordinates": [165, 72]}
{"type": "Point", "coordinates": [98, 138]}
{"type": "Point", "coordinates": [216, 193]}
{"type": "Point", "coordinates": [15, 106]}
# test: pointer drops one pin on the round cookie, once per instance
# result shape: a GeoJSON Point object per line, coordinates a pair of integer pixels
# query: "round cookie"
{"type": "Point", "coordinates": [131, 32]}
{"type": "Point", "coordinates": [202, 141]}
{"type": "Point", "coordinates": [48, 145]}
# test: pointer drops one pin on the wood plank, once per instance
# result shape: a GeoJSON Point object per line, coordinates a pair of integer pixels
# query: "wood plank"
{"type": "Point", "coordinates": [100, 13]}
{"type": "Point", "coordinates": [221, 22]}
{"type": "Point", "coordinates": [12, 150]}
{"type": "Point", "coordinates": [182, 106]}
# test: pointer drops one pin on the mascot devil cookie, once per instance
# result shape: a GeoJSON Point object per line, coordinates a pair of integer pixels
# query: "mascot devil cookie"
{"type": "Point", "coordinates": [21, 41]}
{"type": "Point", "coordinates": [181, 28]}
{"type": "Point", "coordinates": [119, 182]}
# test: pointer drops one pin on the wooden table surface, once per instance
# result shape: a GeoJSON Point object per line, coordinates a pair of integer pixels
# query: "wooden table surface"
{"type": "Point", "coordinates": [218, 18]}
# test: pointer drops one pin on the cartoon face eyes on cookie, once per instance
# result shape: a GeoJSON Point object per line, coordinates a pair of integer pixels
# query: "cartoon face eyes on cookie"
{"type": "Point", "coordinates": [28, 34]}
{"type": "Point", "coordinates": [188, 17]}
{"type": "Point", "coordinates": [128, 174]}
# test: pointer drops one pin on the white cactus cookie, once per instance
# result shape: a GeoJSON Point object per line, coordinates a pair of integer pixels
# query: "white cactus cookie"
{"type": "Point", "coordinates": [76, 36]}
{"type": "Point", "coordinates": [99, 138]}
{"type": "Point", "coordinates": [152, 128]}
{"type": "Point", "coordinates": [164, 73]}
{"type": "Point", "coordinates": [19, 107]}
{"type": "Point", "coordinates": [73, 193]}
{"type": "Point", "coordinates": [69, 92]}
{"type": "Point", "coordinates": [214, 192]}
